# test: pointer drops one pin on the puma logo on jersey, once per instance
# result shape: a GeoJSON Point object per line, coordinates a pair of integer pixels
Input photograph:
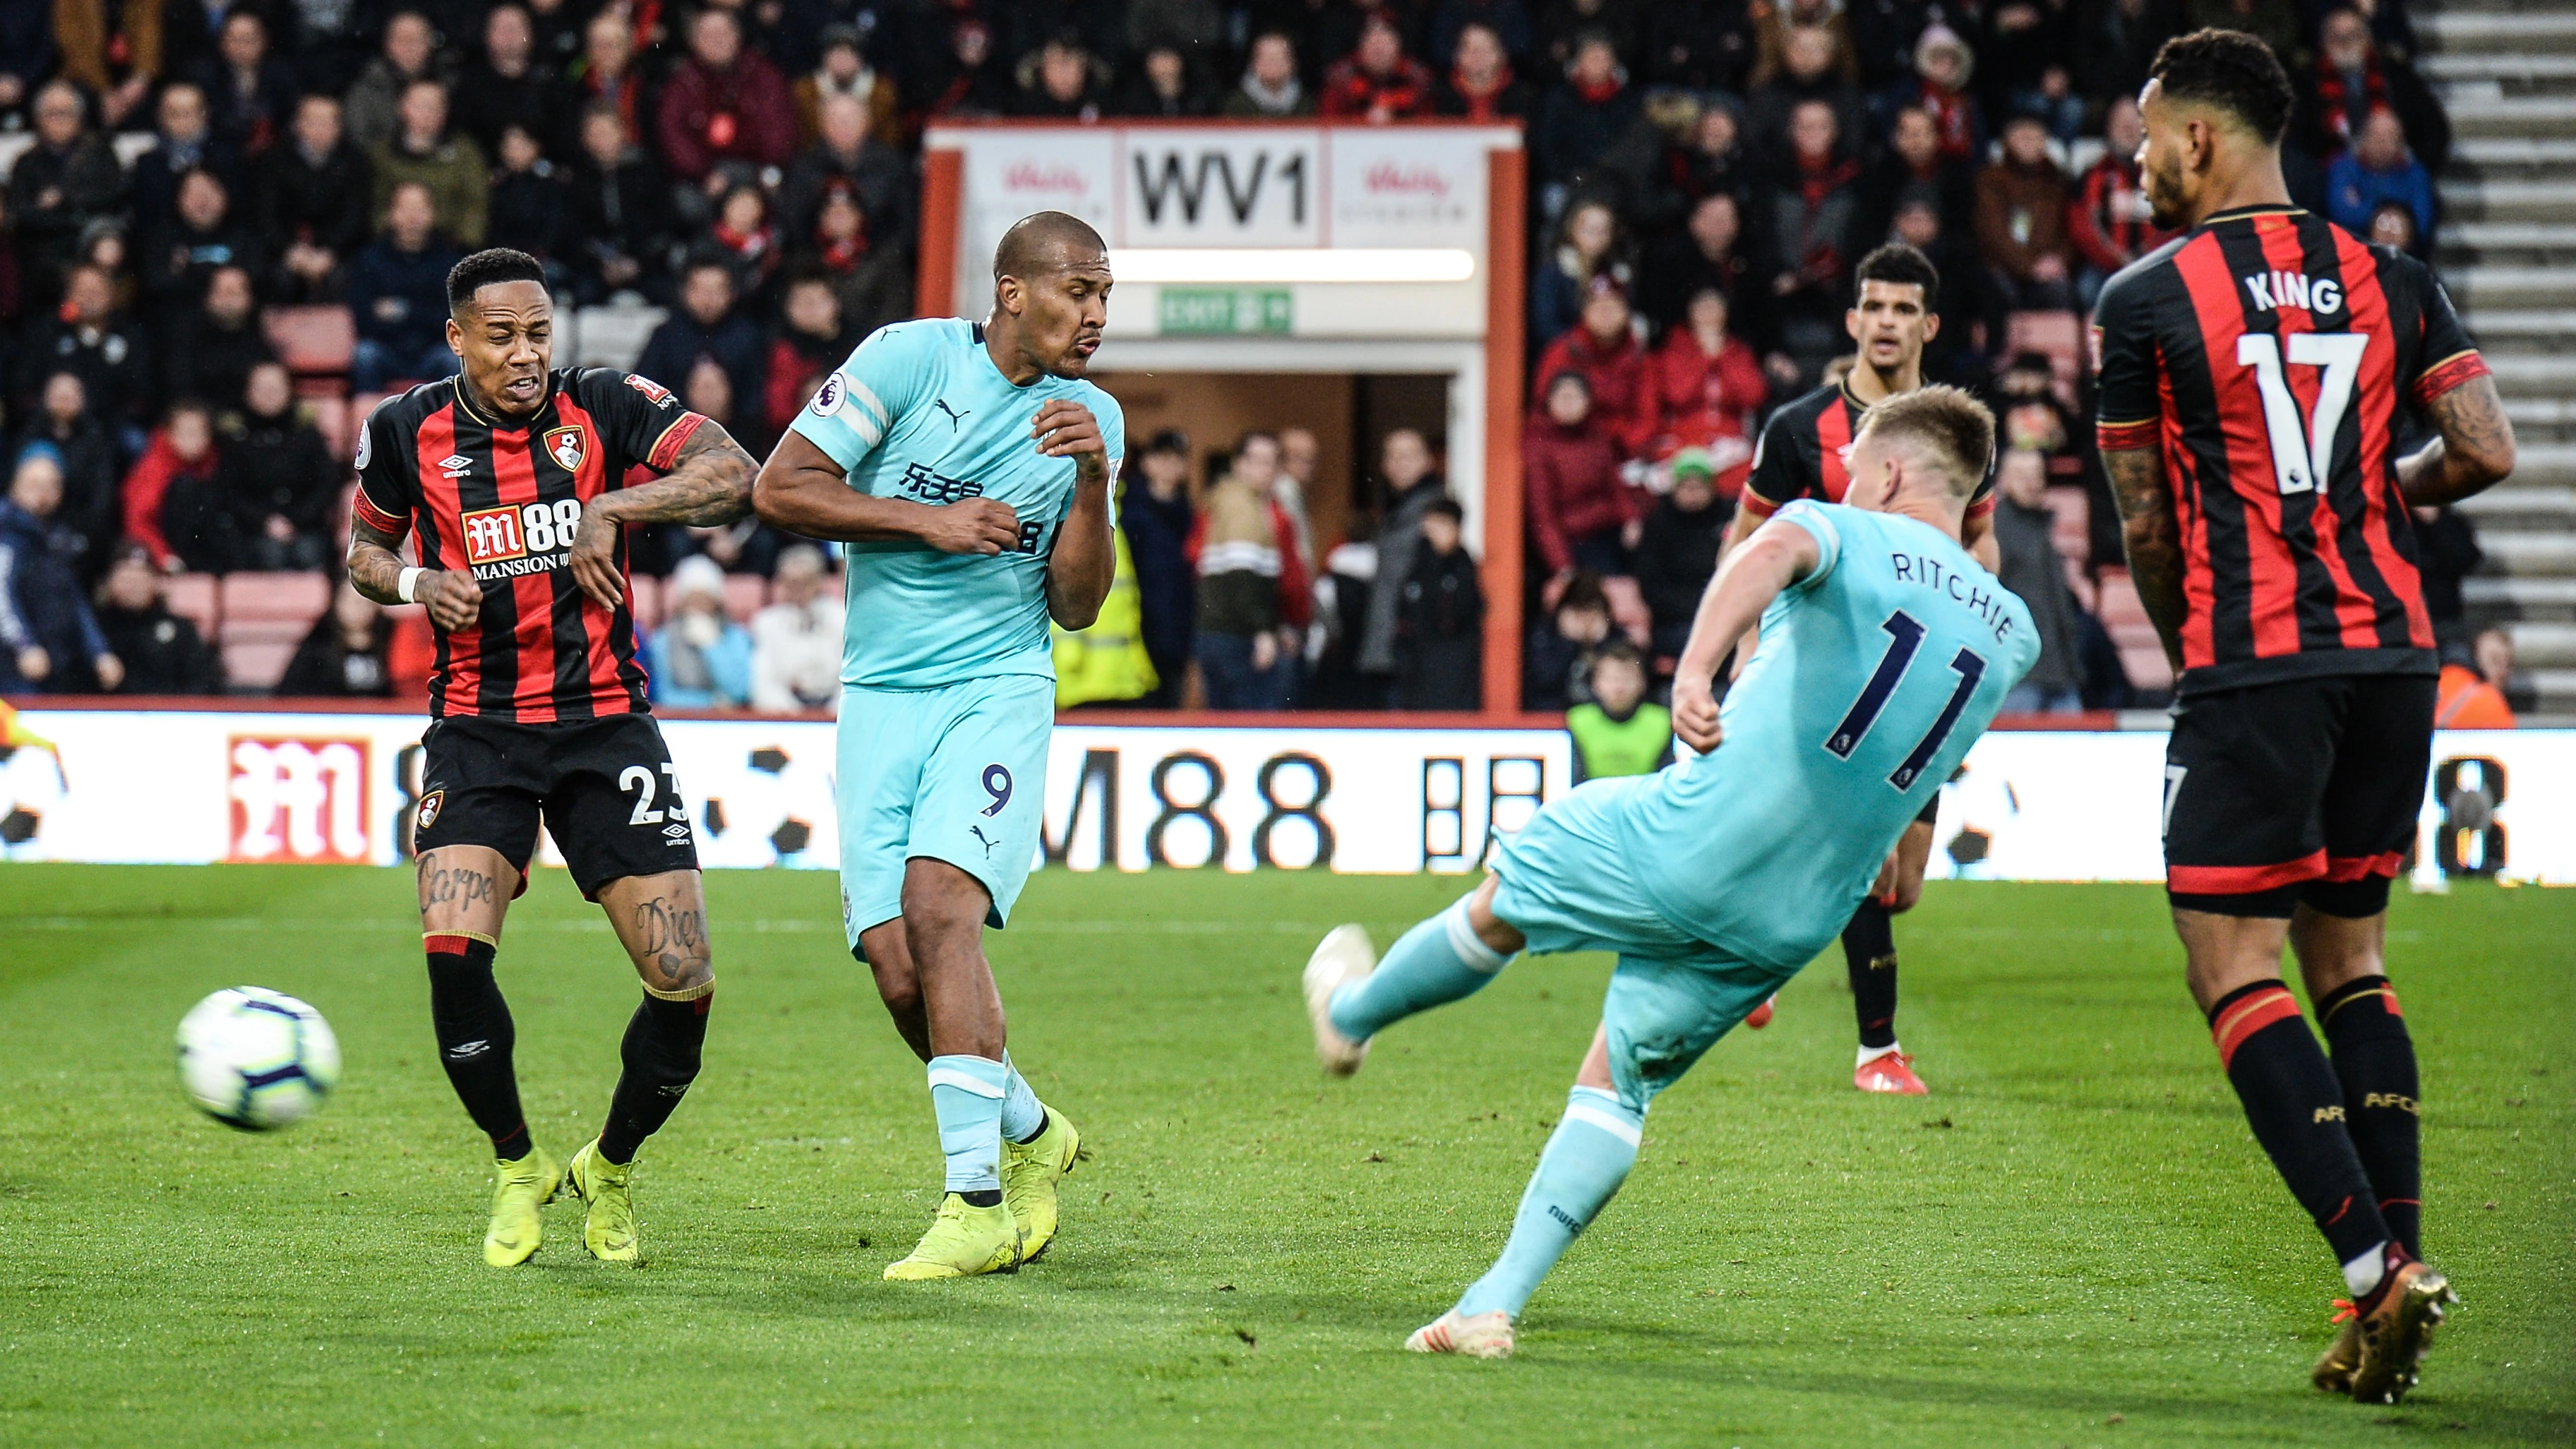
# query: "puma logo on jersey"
{"type": "Point", "coordinates": [2319, 295]}
{"type": "Point", "coordinates": [956, 419]}
{"type": "Point", "coordinates": [989, 842]}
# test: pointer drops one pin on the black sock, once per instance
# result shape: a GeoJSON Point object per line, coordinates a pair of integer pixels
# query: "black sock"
{"type": "Point", "coordinates": [2296, 1109]}
{"type": "Point", "coordinates": [983, 1197]}
{"type": "Point", "coordinates": [475, 1038]}
{"type": "Point", "coordinates": [2375, 1059]}
{"type": "Point", "coordinates": [663, 1041]}
{"type": "Point", "coordinates": [1869, 953]}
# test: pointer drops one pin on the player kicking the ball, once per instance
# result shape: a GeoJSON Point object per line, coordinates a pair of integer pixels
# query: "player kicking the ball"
{"type": "Point", "coordinates": [1885, 651]}
{"type": "Point", "coordinates": [968, 466]}
{"type": "Point", "coordinates": [511, 478]}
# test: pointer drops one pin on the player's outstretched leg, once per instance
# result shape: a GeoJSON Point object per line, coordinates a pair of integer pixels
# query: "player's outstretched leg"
{"type": "Point", "coordinates": [942, 926]}
{"type": "Point", "coordinates": [464, 894]}
{"type": "Point", "coordinates": [662, 921]}
{"type": "Point", "coordinates": [1445, 958]}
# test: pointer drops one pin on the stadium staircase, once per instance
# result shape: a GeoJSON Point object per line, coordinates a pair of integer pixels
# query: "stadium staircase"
{"type": "Point", "coordinates": [2507, 71]}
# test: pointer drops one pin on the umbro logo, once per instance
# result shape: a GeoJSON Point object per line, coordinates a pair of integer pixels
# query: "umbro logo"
{"type": "Point", "coordinates": [456, 465]}
{"type": "Point", "coordinates": [956, 419]}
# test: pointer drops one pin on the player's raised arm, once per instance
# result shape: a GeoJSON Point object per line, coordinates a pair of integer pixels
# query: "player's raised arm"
{"type": "Point", "coordinates": [709, 483]}
{"type": "Point", "coordinates": [2474, 452]}
{"type": "Point", "coordinates": [1777, 555]}
{"type": "Point", "coordinates": [1085, 557]}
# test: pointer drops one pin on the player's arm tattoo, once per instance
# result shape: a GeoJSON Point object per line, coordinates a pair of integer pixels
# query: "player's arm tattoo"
{"type": "Point", "coordinates": [2151, 535]}
{"type": "Point", "coordinates": [2475, 449]}
{"type": "Point", "coordinates": [375, 563]}
{"type": "Point", "coordinates": [709, 484]}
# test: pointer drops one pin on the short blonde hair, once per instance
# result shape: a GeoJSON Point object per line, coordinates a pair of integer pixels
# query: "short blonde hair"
{"type": "Point", "coordinates": [1944, 425]}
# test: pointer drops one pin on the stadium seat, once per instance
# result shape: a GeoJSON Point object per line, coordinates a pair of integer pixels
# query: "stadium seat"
{"type": "Point", "coordinates": [2060, 335]}
{"type": "Point", "coordinates": [644, 596]}
{"type": "Point", "coordinates": [613, 336]}
{"type": "Point", "coordinates": [192, 597]}
{"type": "Point", "coordinates": [313, 341]}
{"type": "Point", "coordinates": [264, 616]}
{"type": "Point", "coordinates": [745, 595]}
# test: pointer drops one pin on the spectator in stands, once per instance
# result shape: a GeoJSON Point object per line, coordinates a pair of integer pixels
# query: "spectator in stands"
{"type": "Point", "coordinates": [1564, 24]}
{"type": "Point", "coordinates": [2493, 649]}
{"type": "Point", "coordinates": [2021, 221]}
{"type": "Point", "coordinates": [1377, 81]}
{"type": "Point", "coordinates": [1619, 732]}
{"type": "Point", "coordinates": [1413, 484]}
{"type": "Point", "coordinates": [1158, 521]}
{"type": "Point", "coordinates": [875, 282]}
{"type": "Point", "coordinates": [846, 155]}
{"type": "Point", "coordinates": [1163, 85]}
{"type": "Point", "coordinates": [1811, 71]}
{"type": "Point", "coordinates": [1582, 118]}
{"type": "Point", "coordinates": [2352, 79]}
{"type": "Point", "coordinates": [2375, 173]}
{"type": "Point", "coordinates": [313, 192]}
{"type": "Point", "coordinates": [2029, 414]}
{"type": "Point", "coordinates": [162, 653]}
{"type": "Point", "coordinates": [706, 325]}
{"type": "Point", "coordinates": [1581, 515]}
{"type": "Point", "coordinates": [1708, 255]}
{"type": "Point", "coordinates": [1917, 164]}
{"type": "Point", "coordinates": [278, 478]}
{"type": "Point", "coordinates": [1253, 598]}
{"type": "Point", "coordinates": [726, 111]}
{"type": "Point", "coordinates": [811, 342]}
{"type": "Point", "coordinates": [184, 142]}
{"type": "Point", "coordinates": [2117, 41]}
{"type": "Point", "coordinates": [398, 296]}
{"type": "Point", "coordinates": [796, 641]}
{"type": "Point", "coordinates": [1677, 550]}
{"type": "Point", "coordinates": [1954, 353]}
{"type": "Point", "coordinates": [1300, 458]}
{"type": "Point", "coordinates": [205, 233]}
{"type": "Point", "coordinates": [2110, 221]}
{"type": "Point", "coordinates": [27, 55]}
{"type": "Point", "coordinates": [1808, 235]}
{"type": "Point", "coordinates": [1938, 87]}
{"type": "Point", "coordinates": [743, 238]}
{"type": "Point", "coordinates": [1480, 85]}
{"type": "Point", "coordinates": [87, 452]}
{"type": "Point", "coordinates": [699, 658]}
{"type": "Point", "coordinates": [531, 207]}
{"type": "Point", "coordinates": [375, 102]}
{"type": "Point", "coordinates": [1604, 348]}
{"type": "Point", "coordinates": [605, 78]}
{"type": "Point", "coordinates": [2024, 51]}
{"type": "Point", "coordinates": [2447, 552]}
{"type": "Point", "coordinates": [1707, 159]}
{"type": "Point", "coordinates": [2025, 532]}
{"type": "Point", "coordinates": [88, 337]}
{"type": "Point", "coordinates": [67, 180]}
{"type": "Point", "coordinates": [844, 71]}
{"type": "Point", "coordinates": [48, 639]}
{"type": "Point", "coordinates": [450, 167]}
{"type": "Point", "coordinates": [621, 212]}
{"type": "Point", "coordinates": [2393, 225]}
{"type": "Point", "coordinates": [1440, 619]}
{"type": "Point", "coordinates": [506, 88]}
{"type": "Point", "coordinates": [344, 655]}
{"type": "Point", "coordinates": [181, 460]}
{"type": "Point", "coordinates": [1556, 665]}
{"type": "Point", "coordinates": [1270, 89]}
{"type": "Point", "coordinates": [1589, 245]}
{"type": "Point", "coordinates": [1707, 390]}
{"type": "Point", "coordinates": [250, 91]}
{"type": "Point", "coordinates": [2470, 695]}
{"type": "Point", "coordinates": [1062, 80]}
{"type": "Point", "coordinates": [964, 77]}
{"type": "Point", "coordinates": [215, 344]}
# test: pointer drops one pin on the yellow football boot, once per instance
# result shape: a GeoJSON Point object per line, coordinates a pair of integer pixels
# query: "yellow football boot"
{"type": "Point", "coordinates": [526, 1185]}
{"type": "Point", "coordinates": [963, 1240]}
{"type": "Point", "coordinates": [1029, 1173]}
{"type": "Point", "coordinates": [608, 1220]}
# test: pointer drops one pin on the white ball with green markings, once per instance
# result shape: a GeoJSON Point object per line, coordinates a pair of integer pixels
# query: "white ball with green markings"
{"type": "Point", "coordinates": [257, 1059]}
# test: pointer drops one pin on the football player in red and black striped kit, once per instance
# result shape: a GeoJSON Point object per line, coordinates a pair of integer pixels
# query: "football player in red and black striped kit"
{"type": "Point", "coordinates": [1801, 455]}
{"type": "Point", "coordinates": [510, 478]}
{"type": "Point", "coordinates": [2252, 370]}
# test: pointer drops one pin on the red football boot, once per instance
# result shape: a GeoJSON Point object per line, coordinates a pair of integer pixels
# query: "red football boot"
{"type": "Point", "coordinates": [1890, 1071]}
{"type": "Point", "coordinates": [1760, 1016]}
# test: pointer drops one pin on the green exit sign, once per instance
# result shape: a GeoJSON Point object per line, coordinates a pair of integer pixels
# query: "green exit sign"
{"type": "Point", "coordinates": [1216, 310]}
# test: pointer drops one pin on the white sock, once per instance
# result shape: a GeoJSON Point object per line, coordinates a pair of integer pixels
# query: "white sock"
{"type": "Point", "coordinates": [1871, 1054]}
{"type": "Point", "coordinates": [2363, 1274]}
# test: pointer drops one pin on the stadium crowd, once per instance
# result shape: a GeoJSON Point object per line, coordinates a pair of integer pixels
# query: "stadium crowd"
{"type": "Point", "coordinates": [187, 183]}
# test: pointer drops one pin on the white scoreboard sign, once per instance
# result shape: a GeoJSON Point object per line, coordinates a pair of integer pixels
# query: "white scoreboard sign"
{"type": "Point", "coordinates": [191, 787]}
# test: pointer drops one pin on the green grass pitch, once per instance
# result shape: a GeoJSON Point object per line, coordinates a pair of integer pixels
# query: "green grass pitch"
{"type": "Point", "coordinates": [2074, 1241]}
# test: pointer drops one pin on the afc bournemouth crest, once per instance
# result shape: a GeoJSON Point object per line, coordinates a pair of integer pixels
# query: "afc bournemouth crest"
{"type": "Point", "coordinates": [564, 445]}
{"type": "Point", "coordinates": [429, 804]}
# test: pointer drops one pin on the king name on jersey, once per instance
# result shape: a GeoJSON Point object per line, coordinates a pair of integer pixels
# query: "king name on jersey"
{"type": "Point", "coordinates": [516, 540]}
{"type": "Point", "coordinates": [2321, 296]}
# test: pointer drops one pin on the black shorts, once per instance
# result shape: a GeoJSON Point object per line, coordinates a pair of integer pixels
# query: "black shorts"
{"type": "Point", "coordinates": [604, 787]}
{"type": "Point", "coordinates": [2301, 791]}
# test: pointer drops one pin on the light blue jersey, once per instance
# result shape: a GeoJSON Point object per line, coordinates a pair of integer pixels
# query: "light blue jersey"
{"type": "Point", "coordinates": [1875, 674]}
{"type": "Point", "coordinates": [919, 411]}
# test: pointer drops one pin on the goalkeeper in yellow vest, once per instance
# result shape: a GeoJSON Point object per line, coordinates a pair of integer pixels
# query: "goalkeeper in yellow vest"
{"type": "Point", "coordinates": [1620, 732]}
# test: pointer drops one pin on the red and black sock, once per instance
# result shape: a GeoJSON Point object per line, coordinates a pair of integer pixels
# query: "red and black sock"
{"type": "Point", "coordinates": [1869, 954]}
{"type": "Point", "coordinates": [475, 1038]}
{"type": "Point", "coordinates": [2296, 1108]}
{"type": "Point", "coordinates": [2375, 1059]}
{"type": "Point", "coordinates": [663, 1043]}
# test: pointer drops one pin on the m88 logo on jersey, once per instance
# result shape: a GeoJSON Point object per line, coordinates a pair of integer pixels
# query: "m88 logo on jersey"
{"type": "Point", "coordinates": [493, 535]}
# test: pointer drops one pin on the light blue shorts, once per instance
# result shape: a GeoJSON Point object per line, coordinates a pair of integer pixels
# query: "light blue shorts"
{"type": "Point", "coordinates": [956, 773]}
{"type": "Point", "coordinates": [1565, 884]}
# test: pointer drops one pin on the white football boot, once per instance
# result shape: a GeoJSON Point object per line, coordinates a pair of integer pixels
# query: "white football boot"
{"type": "Point", "coordinates": [1344, 955]}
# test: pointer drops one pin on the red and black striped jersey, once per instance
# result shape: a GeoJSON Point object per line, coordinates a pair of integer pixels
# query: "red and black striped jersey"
{"type": "Point", "coordinates": [2266, 353]}
{"type": "Point", "coordinates": [1805, 452]}
{"type": "Point", "coordinates": [501, 500]}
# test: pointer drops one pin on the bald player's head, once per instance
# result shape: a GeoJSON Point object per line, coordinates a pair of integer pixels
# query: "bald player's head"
{"type": "Point", "coordinates": [1050, 296]}
{"type": "Point", "coordinates": [1046, 242]}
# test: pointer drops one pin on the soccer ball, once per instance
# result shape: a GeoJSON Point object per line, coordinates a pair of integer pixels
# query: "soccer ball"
{"type": "Point", "coordinates": [256, 1059]}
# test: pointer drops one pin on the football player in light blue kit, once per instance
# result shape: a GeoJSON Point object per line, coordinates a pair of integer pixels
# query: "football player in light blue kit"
{"type": "Point", "coordinates": [1885, 651]}
{"type": "Point", "coordinates": [968, 467]}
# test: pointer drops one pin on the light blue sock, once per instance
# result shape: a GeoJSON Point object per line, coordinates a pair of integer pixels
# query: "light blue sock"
{"type": "Point", "coordinates": [966, 1094]}
{"type": "Point", "coordinates": [1437, 962]}
{"type": "Point", "coordinates": [1021, 1114]}
{"type": "Point", "coordinates": [1588, 1156]}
